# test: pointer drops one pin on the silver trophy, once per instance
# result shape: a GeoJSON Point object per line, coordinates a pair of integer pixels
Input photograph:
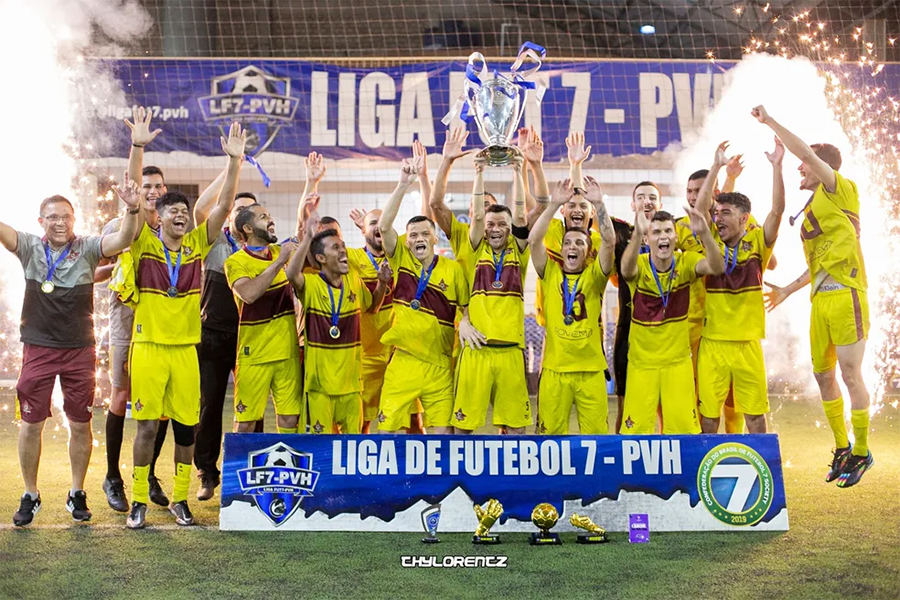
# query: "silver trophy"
{"type": "Point", "coordinates": [431, 516]}
{"type": "Point", "coordinates": [497, 104]}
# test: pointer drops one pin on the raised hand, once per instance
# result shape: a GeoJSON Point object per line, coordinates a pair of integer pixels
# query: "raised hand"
{"type": "Point", "coordinates": [358, 216]}
{"type": "Point", "coordinates": [760, 114]}
{"type": "Point", "coordinates": [409, 169]}
{"type": "Point", "coordinates": [532, 148]}
{"type": "Point", "coordinates": [561, 193]}
{"type": "Point", "coordinates": [453, 143]}
{"type": "Point", "coordinates": [480, 163]}
{"type": "Point", "coordinates": [698, 222]}
{"type": "Point", "coordinates": [720, 160]}
{"type": "Point", "coordinates": [418, 150]}
{"type": "Point", "coordinates": [385, 273]}
{"type": "Point", "coordinates": [775, 296]}
{"type": "Point", "coordinates": [592, 191]}
{"type": "Point", "coordinates": [287, 249]}
{"type": "Point", "coordinates": [735, 166]}
{"type": "Point", "coordinates": [641, 222]}
{"type": "Point", "coordinates": [315, 167]}
{"type": "Point", "coordinates": [312, 223]}
{"type": "Point", "coordinates": [576, 151]}
{"type": "Point", "coordinates": [140, 129]}
{"type": "Point", "coordinates": [309, 205]}
{"type": "Point", "coordinates": [237, 138]}
{"type": "Point", "coordinates": [517, 161]}
{"type": "Point", "coordinates": [129, 192]}
{"type": "Point", "coordinates": [777, 155]}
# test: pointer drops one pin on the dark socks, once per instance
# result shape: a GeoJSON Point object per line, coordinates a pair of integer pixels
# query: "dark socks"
{"type": "Point", "coordinates": [115, 426]}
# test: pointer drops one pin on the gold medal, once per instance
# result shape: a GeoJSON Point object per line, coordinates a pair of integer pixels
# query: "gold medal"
{"type": "Point", "coordinates": [334, 332]}
{"type": "Point", "coordinates": [47, 287]}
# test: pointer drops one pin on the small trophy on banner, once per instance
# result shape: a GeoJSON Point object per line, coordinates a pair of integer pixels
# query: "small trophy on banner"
{"type": "Point", "coordinates": [487, 516]}
{"type": "Point", "coordinates": [431, 516]}
{"type": "Point", "coordinates": [595, 534]}
{"type": "Point", "coordinates": [497, 104]}
{"type": "Point", "coordinates": [544, 517]}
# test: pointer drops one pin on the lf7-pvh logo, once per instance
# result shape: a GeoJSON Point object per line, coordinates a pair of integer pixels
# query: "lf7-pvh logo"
{"type": "Point", "coordinates": [261, 102]}
{"type": "Point", "coordinates": [278, 477]}
{"type": "Point", "coordinates": [735, 484]}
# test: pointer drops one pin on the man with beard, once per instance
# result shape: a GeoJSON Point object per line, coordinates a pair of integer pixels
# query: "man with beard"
{"type": "Point", "coordinates": [57, 330]}
{"type": "Point", "coordinates": [573, 367]}
{"type": "Point", "coordinates": [165, 374]}
{"type": "Point", "coordinates": [491, 370]}
{"type": "Point", "coordinates": [730, 360]}
{"type": "Point", "coordinates": [268, 353]}
{"type": "Point", "coordinates": [333, 299]}
{"type": "Point", "coordinates": [428, 289]}
{"type": "Point", "coordinates": [659, 349]}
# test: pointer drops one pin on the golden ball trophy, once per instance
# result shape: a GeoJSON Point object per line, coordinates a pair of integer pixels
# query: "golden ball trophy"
{"type": "Point", "coordinates": [544, 516]}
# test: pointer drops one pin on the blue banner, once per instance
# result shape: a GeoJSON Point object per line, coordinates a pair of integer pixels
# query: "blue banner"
{"type": "Point", "coordinates": [296, 107]}
{"type": "Point", "coordinates": [387, 482]}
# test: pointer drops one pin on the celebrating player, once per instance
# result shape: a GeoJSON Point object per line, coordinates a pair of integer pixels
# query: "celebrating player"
{"type": "Point", "coordinates": [165, 374]}
{"type": "Point", "coordinates": [659, 349]}
{"type": "Point", "coordinates": [427, 291]}
{"type": "Point", "coordinates": [730, 356]}
{"type": "Point", "coordinates": [59, 279]}
{"type": "Point", "coordinates": [492, 368]}
{"type": "Point", "coordinates": [840, 309]}
{"type": "Point", "coordinates": [268, 353]}
{"type": "Point", "coordinates": [334, 298]}
{"type": "Point", "coordinates": [573, 366]}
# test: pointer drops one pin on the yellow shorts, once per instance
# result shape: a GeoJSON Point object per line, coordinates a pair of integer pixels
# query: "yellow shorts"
{"type": "Point", "coordinates": [585, 389]}
{"type": "Point", "coordinates": [408, 378]}
{"type": "Point", "coordinates": [491, 375]}
{"type": "Point", "coordinates": [165, 382]}
{"type": "Point", "coordinates": [839, 318]}
{"type": "Point", "coordinates": [373, 369]}
{"type": "Point", "coordinates": [672, 387]}
{"type": "Point", "coordinates": [726, 364]}
{"type": "Point", "coordinates": [328, 412]}
{"type": "Point", "coordinates": [252, 383]}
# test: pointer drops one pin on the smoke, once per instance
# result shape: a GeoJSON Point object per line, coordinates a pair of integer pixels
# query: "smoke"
{"type": "Point", "coordinates": [794, 93]}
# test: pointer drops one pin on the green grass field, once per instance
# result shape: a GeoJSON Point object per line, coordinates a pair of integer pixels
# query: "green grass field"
{"type": "Point", "coordinates": [842, 543]}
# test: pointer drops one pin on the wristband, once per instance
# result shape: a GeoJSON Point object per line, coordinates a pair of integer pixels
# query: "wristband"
{"type": "Point", "coordinates": [520, 233]}
{"type": "Point", "coordinates": [137, 145]}
{"type": "Point", "coordinates": [134, 211]}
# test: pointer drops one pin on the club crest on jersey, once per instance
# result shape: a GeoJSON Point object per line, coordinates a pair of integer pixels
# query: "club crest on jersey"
{"type": "Point", "coordinates": [460, 415]}
{"type": "Point", "coordinates": [443, 286]}
{"type": "Point", "coordinates": [746, 246]}
{"type": "Point", "coordinates": [259, 101]}
{"type": "Point", "coordinates": [278, 478]}
{"type": "Point", "coordinates": [351, 297]}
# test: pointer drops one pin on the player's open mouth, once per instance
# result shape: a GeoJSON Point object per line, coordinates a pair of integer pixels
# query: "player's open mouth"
{"type": "Point", "coordinates": [664, 245]}
{"type": "Point", "coordinates": [343, 260]}
{"type": "Point", "coordinates": [572, 256]}
{"type": "Point", "coordinates": [271, 228]}
{"type": "Point", "coordinates": [181, 223]}
{"type": "Point", "coordinates": [420, 247]}
{"type": "Point", "coordinates": [577, 219]}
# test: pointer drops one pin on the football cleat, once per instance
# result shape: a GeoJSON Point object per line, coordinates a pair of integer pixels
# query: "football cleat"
{"type": "Point", "coordinates": [157, 495]}
{"type": "Point", "coordinates": [182, 513]}
{"type": "Point", "coordinates": [137, 518]}
{"type": "Point", "coordinates": [837, 463]}
{"type": "Point", "coordinates": [115, 494]}
{"type": "Point", "coordinates": [854, 469]}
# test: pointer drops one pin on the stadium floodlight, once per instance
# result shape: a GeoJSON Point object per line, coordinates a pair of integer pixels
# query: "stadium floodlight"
{"type": "Point", "coordinates": [648, 29]}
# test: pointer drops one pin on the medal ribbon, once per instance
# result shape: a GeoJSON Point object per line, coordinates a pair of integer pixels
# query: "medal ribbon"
{"type": "Point", "coordinates": [498, 265]}
{"type": "Point", "coordinates": [173, 271]}
{"type": "Point", "coordinates": [423, 279]}
{"type": "Point", "coordinates": [663, 294]}
{"type": "Point", "coordinates": [569, 297]}
{"type": "Point", "coordinates": [231, 242]}
{"type": "Point", "coordinates": [335, 314]}
{"type": "Point", "coordinates": [51, 268]}
{"type": "Point", "coordinates": [372, 260]}
{"type": "Point", "coordinates": [730, 259]}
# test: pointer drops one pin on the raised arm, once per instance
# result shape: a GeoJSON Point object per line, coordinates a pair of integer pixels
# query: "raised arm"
{"type": "Point", "coordinates": [234, 148]}
{"type": "Point", "coordinates": [577, 154]}
{"type": "Point", "coordinates": [518, 208]}
{"type": "Point", "coordinates": [705, 195]}
{"type": "Point", "coordinates": [140, 137]}
{"type": "Point", "coordinates": [798, 148]}
{"type": "Point", "coordinates": [733, 170]}
{"type": "Point", "coordinates": [454, 141]}
{"type": "Point", "coordinates": [408, 171]}
{"type": "Point", "coordinates": [629, 267]}
{"type": "Point", "coordinates": [419, 150]}
{"type": "Point", "coordinates": [385, 279]}
{"type": "Point", "coordinates": [561, 194]}
{"type": "Point", "coordinates": [776, 295]}
{"type": "Point", "coordinates": [315, 171]}
{"type": "Point", "coordinates": [114, 243]}
{"type": "Point", "coordinates": [209, 197]}
{"type": "Point", "coordinates": [773, 221]}
{"type": "Point", "coordinates": [713, 262]}
{"type": "Point", "coordinates": [294, 270]}
{"type": "Point", "coordinates": [9, 237]}
{"type": "Point", "coordinates": [249, 289]}
{"type": "Point", "coordinates": [534, 157]}
{"type": "Point", "coordinates": [476, 227]}
{"type": "Point", "coordinates": [606, 254]}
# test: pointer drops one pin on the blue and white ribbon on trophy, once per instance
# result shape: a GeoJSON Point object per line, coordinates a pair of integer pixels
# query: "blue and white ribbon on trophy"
{"type": "Point", "coordinates": [477, 72]}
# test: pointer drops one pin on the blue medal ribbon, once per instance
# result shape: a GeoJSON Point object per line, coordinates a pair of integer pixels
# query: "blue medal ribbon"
{"type": "Point", "coordinates": [569, 296]}
{"type": "Point", "coordinates": [265, 178]}
{"type": "Point", "coordinates": [372, 260]}
{"type": "Point", "coordinates": [256, 248]}
{"type": "Point", "coordinates": [51, 268]}
{"type": "Point", "coordinates": [498, 268]}
{"type": "Point", "coordinates": [423, 281]}
{"type": "Point", "coordinates": [335, 313]}
{"type": "Point", "coordinates": [663, 294]}
{"type": "Point", "coordinates": [173, 271]}
{"type": "Point", "coordinates": [730, 259]}
{"type": "Point", "coordinates": [231, 242]}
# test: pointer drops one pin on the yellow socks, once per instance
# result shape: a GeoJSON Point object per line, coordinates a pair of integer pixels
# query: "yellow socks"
{"type": "Point", "coordinates": [834, 412]}
{"type": "Point", "coordinates": [860, 421]}
{"type": "Point", "coordinates": [140, 484]}
{"type": "Point", "coordinates": [182, 482]}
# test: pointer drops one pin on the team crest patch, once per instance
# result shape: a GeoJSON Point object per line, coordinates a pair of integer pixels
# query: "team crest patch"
{"type": "Point", "coordinates": [351, 297]}
{"type": "Point", "coordinates": [381, 417]}
{"type": "Point", "coordinates": [278, 478]}
{"type": "Point", "coordinates": [460, 415]}
{"type": "Point", "coordinates": [188, 251]}
{"type": "Point", "coordinates": [138, 406]}
{"type": "Point", "coordinates": [746, 246]}
{"type": "Point", "coordinates": [240, 407]}
{"type": "Point", "coordinates": [318, 427]}
{"type": "Point", "coordinates": [26, 408]}
{"type": "Point", "coordinates": [443, 286]}
{"type": "Point", "coordinates": [629, 423]}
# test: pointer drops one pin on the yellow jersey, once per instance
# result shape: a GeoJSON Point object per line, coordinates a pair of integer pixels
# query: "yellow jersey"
{"type": "Point", "coordinates": [373, 325]}
{"type": "Point", "coordinates": [266, 328]}
{"type": "Point", "coordinates": [659, 334]}
{"type": "Point", "coordinates": [553, 243]}
{"type": "Point", "coordinates": [830, 234]}
{"type": "Point", "coordinates": [427, 333]}
{"type": "Point", "coordinates": [735, 310]}
{"type": "Point", "coordinates": [578, 345]}
{"type": "Point", "coordinates": [333, 357]}
{"type": "Point", "coordinates": [460, 244]}
{"type": "Point", "coordinates": [497, 301]}
{"type": "Point", "coordinates": [159, 318]}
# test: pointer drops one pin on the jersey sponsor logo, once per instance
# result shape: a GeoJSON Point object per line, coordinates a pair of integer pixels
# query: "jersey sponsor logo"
{"type": "Point", "coordinates": [735, 484]}
{"type": "Point", "coordinates": [278, 478]}
{"type": "Point", "coordinates": [261, 102]}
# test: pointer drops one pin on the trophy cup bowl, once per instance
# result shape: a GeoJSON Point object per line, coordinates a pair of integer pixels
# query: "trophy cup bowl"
{"type": "Point", "coordinates": [498, 106]}
{"type": "Point", "coordinates": [544, 516]}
